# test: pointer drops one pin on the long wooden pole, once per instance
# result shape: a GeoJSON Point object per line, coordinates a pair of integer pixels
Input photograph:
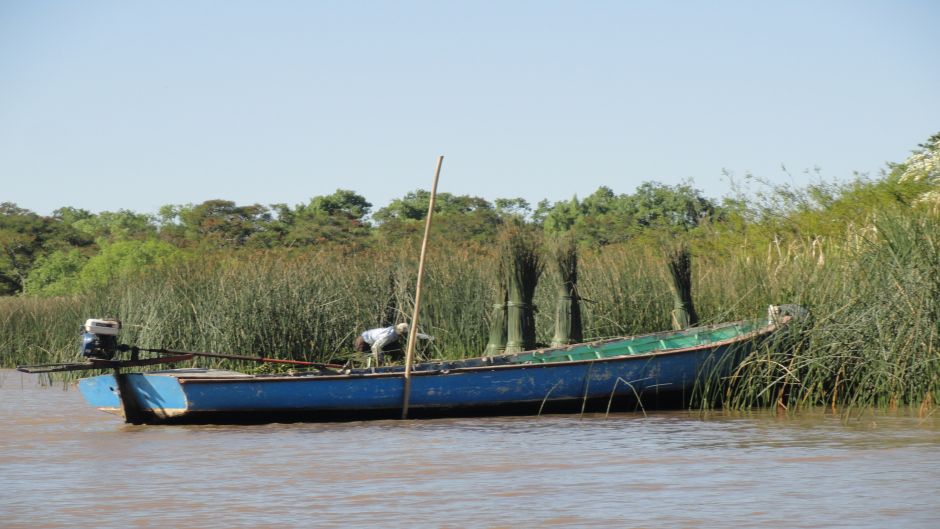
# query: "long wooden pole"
{"type": "Point", "coordinates": [413, 328]}
{"type": "Point", "coordinates": [242, 357]}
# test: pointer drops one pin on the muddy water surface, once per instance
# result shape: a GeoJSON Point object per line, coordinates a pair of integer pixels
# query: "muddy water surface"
{"type": "Point", "coordinates": [63, 464]}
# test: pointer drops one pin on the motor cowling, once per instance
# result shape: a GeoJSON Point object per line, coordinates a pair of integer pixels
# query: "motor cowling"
{"type": "Point", "coordinates": [99, 338]}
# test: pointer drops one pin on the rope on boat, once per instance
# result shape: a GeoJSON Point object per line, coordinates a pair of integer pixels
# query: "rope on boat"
{"type": "Point", "coordinates": [546, 396]}
{"type": "Point", "coordinates": [638, 399]}
{"type": "Point", "coordinates": [587, 384]}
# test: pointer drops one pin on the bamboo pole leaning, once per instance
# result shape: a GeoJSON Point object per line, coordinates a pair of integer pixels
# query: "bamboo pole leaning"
{"type": "Point", "coordinates": [413, 328]}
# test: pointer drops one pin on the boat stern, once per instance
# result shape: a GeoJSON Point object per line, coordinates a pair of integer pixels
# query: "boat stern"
{"type": "Point", "coordinates": [101, 392]}
{"type": "Point", "coordinates": [138, 397]}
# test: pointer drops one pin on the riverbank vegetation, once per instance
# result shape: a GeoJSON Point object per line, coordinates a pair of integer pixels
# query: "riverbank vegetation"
{"type": "Point", "coordinates": [299, 282]}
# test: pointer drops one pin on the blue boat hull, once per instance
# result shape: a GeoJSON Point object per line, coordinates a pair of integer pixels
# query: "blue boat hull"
{"type": "Point", "coordinates": [454, 389]}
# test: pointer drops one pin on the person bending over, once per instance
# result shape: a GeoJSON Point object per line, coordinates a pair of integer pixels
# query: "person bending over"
{"type": "Point", "coordinates": [381, 341]}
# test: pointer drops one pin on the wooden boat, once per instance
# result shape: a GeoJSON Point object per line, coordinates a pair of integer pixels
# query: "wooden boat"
{"type": "Point", "coordinates": [629, 371]}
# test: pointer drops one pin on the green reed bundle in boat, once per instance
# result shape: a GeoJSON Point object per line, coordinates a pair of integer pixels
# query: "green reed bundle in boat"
{"type": "Point", "coordinates": [679, 261]}
{"type": "Point", "coordinates": [497, 342]}
{"type": "Point", "coordinates": [568, 328]}
{"type": "Point", "coordinates": [524, 266]}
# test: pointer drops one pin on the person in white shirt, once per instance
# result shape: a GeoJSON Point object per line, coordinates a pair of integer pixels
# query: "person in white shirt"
{"type": "Point", "coordinates": [384, 340]}
{"type": "Point", "coordinates": [380, 341]}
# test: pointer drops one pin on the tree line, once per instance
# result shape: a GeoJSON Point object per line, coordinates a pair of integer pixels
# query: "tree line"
{"type": "Point", "coordinates": [73, 250]}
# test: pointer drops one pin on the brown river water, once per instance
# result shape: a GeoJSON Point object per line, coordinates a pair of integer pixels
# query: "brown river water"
{"type": "Point", "coordinates": [63, 464]}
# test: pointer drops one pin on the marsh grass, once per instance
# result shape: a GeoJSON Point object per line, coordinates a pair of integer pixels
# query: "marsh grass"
{"type": "Point", "coordinates": [873, 340]}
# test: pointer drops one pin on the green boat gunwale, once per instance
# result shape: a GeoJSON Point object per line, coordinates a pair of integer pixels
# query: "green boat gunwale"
{"type": "Point", "coordinates": [760, 330]}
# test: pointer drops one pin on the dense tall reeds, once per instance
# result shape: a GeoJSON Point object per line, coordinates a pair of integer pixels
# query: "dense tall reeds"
{"type": "Point", "coordinates": [873, 340]}
{"type": "Point", "coordinates": [39, 329]}
{"type": "Point", "coordinates": [277, 304]}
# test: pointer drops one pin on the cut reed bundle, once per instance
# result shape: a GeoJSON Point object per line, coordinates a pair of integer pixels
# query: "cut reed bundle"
{"type": "Point", "coordinates": [568, 325]}
{"type": "Point", "coordinates": [679, 262]}
{"type": "Point", "coordinates": [521, 247]}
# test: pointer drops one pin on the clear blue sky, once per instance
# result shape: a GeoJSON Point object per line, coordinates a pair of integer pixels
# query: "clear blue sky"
{"type": "Point", "coordinates": [108, 105]}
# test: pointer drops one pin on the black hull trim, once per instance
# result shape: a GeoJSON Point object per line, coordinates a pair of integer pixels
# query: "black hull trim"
{"type": "Point", "coordinates": [660, 401]}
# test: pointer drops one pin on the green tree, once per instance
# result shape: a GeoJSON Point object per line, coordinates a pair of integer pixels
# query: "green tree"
{"type": "Point", "coordinates": [111, 226]}
{"type": "Point", "coordinates": [541, 211]}
{"type": "Point", "coordinates": [561, 216]}
{"type": "Point", "coordinates": [56, 274]}
{"type": "Point", "coordinates": [339, 217]}
{"type": "Point", "coordinates": [605, 217]}
{"type": "Point", "coordinates": [512, 208]}
{"type": "Point", "coordinates": [215, 223]}
{"type": "Point", "coordinates": [123, 259]}
{"type": "Point", "coordinates": [65, 231]}
{"type": "Point", "coordinates": [680, 206]}
{"type": "Point", "coordinates": [22, 237]}
{"type": "Point", "coordinates": [456, 217]}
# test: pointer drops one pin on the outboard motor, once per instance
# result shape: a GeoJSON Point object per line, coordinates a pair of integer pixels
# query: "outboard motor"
{"type": "Point", "coordinates": [99, 338]}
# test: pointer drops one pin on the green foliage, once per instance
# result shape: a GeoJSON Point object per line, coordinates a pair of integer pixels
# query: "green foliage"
{"type": "Point", "coordinates": [337, 218]}
{"type": "Point", "coordinates": [22, 237]}
{"type": "Point", "coordinates": [460, 217]}
{"type": "Point", "coordinates": [512, 208]}
{"type": "Point", "coordinates": [125, 259]}
{"type": "Point", "coordinates": [111, 226]}
{"type": "Point", "coordinates": [65, 231]}
{"type": "Point", "coordinates": [680, 206]}
{"type": "Point", "coordinates": [214, 223]}
{"type": "Point", "coordinates": [56, 274]}
{"type": "Point", "coordinates": [343, 202]}
{"type": "Point", "coordinates": [606, 218]}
